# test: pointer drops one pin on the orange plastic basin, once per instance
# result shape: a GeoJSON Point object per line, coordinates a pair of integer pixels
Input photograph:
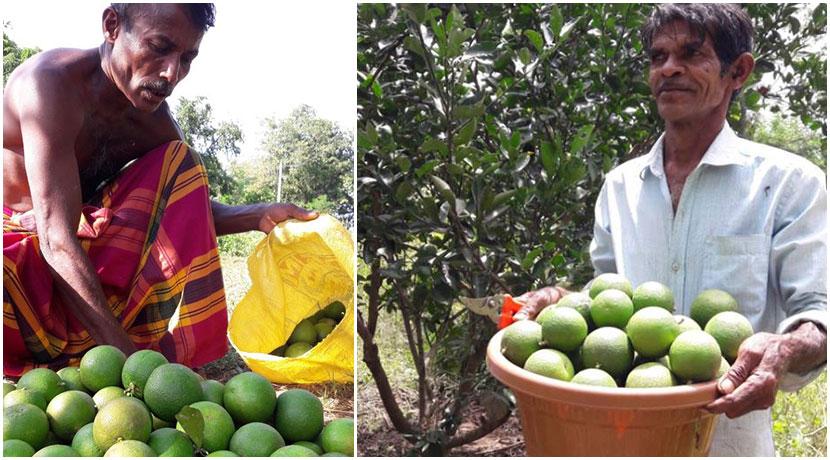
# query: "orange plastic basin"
{"type": "Point", "coordinates": [565, 419]}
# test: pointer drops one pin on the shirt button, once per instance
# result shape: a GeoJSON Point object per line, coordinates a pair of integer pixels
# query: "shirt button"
{"type": "Point", "coordinates": [675, 267]}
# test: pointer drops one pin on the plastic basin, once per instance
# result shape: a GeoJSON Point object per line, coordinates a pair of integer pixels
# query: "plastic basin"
{"type": "Point", "coordinates": [565, 419]}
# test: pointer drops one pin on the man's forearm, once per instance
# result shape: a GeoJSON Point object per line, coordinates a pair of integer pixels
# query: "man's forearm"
{"type": "Point", "coordinates": [235, 219]}
{"type": "Point", "coordinates": [806, 348]}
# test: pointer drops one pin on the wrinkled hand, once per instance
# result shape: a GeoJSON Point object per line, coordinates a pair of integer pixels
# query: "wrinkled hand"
{"type": "Point", "coordinates": [274, 213]}
{"type": "Point", "coordinates": [536, 301]}
{"type": "Point", "coordinates": [752, 381]}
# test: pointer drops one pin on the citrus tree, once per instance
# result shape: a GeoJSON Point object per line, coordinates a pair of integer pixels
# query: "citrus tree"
{"type": "Point", "coordinates": [484, 133]}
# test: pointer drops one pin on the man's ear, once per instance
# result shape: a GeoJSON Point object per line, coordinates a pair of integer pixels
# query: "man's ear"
{"type": "Point", "coordinates": [741, 70]}
{"type": "Point", "coordinates": [111, 24]}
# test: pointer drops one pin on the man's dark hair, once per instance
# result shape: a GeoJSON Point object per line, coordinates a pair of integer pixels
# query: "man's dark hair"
{"type": "Point", "coordinates": [201, 14]}
{"type": "Point", "coordinates": [728, 25]}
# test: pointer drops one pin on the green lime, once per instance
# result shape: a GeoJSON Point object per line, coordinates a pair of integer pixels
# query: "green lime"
{"type": "Point", "coordinates": [564, 329]}
{"type": "Point", "coordinates": [611, 307]}
{"type": "Point", "coordinates": [323, 330]}
{"type": "Point", "coordinates": [17, 448]}
{"type": "Point", "coordinates": [107, 394]}
{"type": "Point", "coordinates": [338, 436]}
{"type": "Point", "coordinates": [7, 387]}
{"type": "Point", "coordinates": [310, 445]}
{"type": "Point", "coordinates": [650, 375]}
{"type": "Point", "coordinates": [45, 381]}
{"type": "Point", "coordinates": [684, 323]}
{"type": "Point", "coordinates": [130, 448]}
{"type": "Point", "coordinates": [121, 419]}
{"type": "Point", "coordinates": [608, 348]}
{"type": "Point", "coordinates": [550, 363]}
{"type": "Point", "coordinates": [56, 450]}
{"type": "Point", "coordinates": [71, 377]}
{"type": "Point", "coordinates": [101, 367]}
{"type": "Point", "coordinates": [652, 331]}
{"type": "Point", "coordinates": [610, 281]}
{"type": "Point", "coordinates": [299, 415]}
{"type": "Point", "coordinates": [709, 303]}
{"type": "Point", "coordinates": [520, 340]}
{"type": "Point", "coordinates": [294, 451]}
{"type": "Point", "coordinates": [25, 395]}
{"type": "Point", "coordinates": [249, 397]}
{"type": "Point", "coordinates": [25, 422]}
{"type": "Point", "coordinates": [653, 294]}
{"type": "Point", "coordinates": [68, 412]}
{"type": "Point", "coordinates": [335, 310]}
{"type": "Point", "coordinates": [219, 425]}
{"type": "Point", "coordinates": [171, 387]}
{"type": "Point", "coordinates": [222, 453]}
{"type": "Point", "coordinates": [256, 439]}
{"type": "Point", "coordinates": [213, 391]}
{"type": "Point", "coordinates": [579, 301]}
{"type": "Point", "coordinates": [595, 377]}
{"type": "Point", "coordinates": [169, 442]}
{"type": "Point", "coordinates": [137, 370]}
{"type": "Point", "coordinates": [297, 349]}
{"type": "Point", "coordinates": [695, 356]}
{"type": "Point", "coordinates": [304, 332]}
{"type": "Point", "coordinates": [730, 329]}
{"type": "Point", "coordinates": [84, 442]}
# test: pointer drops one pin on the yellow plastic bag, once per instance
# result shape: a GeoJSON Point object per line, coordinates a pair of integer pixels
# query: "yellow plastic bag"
{"type": "Point", "coordinates": [299, 268]}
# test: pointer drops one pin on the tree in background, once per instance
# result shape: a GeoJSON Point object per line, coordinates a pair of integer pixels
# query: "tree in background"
{"type": "Point", "coordinates": [14, 55]}
{"type": "Point", "coordinates": [210, 139]}
{"type": "Point", "coordinates": [484, 133]}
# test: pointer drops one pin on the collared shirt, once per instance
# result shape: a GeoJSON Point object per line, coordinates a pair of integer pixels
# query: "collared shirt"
{"type": "Point", "coordinates": [751, 221]}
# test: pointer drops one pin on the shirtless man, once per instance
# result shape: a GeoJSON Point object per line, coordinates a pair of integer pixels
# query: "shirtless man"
{"type": "Point", "coordinates": [74, 118]}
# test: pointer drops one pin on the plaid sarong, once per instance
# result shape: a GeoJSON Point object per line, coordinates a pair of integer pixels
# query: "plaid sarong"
{"type": "Point", "coordinates": [150, 236]}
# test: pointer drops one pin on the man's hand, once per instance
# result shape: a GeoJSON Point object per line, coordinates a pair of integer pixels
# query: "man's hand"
{"type": "Point", "coordinates": [536, 301]}
{"type": "Point", "coordinates": [274, 213]}
{"type": "Point", "coordinates": [763, 359]}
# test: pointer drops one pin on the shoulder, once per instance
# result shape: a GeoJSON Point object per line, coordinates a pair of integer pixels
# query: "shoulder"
{"type": "Point", "coordinates": [47, 76]}
{"type": "Point", "coordinates": [777, 162]}
{"type": "Point", "coordinates": [629, 170]}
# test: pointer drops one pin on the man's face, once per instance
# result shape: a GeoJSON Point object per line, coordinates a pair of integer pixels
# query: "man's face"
{"type": "Point", "coordinates": [151, 58]}
{"type": "Point", "coordinates": [685, 75]}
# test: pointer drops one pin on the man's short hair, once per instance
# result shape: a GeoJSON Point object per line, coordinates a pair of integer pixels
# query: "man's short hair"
{"type": "Point", "coordinates": [201, 14]}
{"type": "Point", "coordinates": [728, 25]}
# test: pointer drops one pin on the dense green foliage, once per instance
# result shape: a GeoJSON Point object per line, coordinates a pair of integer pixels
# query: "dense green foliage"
{"type": "Point", "coordinates": [484, 134]}
{"type": "Point", "coordinates": [14, 55]}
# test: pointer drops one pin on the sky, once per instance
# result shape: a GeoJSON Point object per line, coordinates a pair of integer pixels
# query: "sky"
{"type": "Point", "coordinates": [262, 59]}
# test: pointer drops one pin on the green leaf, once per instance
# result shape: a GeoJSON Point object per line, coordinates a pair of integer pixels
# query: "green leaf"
{"type": "Point", "coordinates": [503, 197]}
{"type": "Point", "coordinates": [443, 188]}
{"type": "Point", "coordinates": [536, 39]}
{"type": "Point", "coordinates": [524, 56]}
{"type": "Point", "coordinates": [416, 11]}
{"type": "Point", "coordinates": [413, 44]}
{"type": "Point", "coordinates": [531, 257]}
{"type": "Point", "coordinates": [193, 424]}
{"type": "Point", "coordinates": [463, 112]}
{"type": "Point", "coordinates": [556, 21]}
{"type": "Point", "coordinates": [466, 132]}
{"type": "Point", "coordinates": [403, 162]}
{"type": "Point", "coordinates": [583, 136]}
{"type": "Point", "coordinates": [752, 99]}
{"type": "Point", "coordinates": [426, 168]}
{"type": "Point", "coordinates": [377, 90]}
{"type": "Point", "coordinates": [433, 145]}
{"type": "Point", "coordinates": [548, 158]}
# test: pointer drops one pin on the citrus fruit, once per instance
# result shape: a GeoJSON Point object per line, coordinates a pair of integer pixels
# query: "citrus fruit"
{"type": "Point", "coordinates": [56, 450]}
{"type": "Point", "coordinates": [159, 423]}
{"type": "Point", "coordinates": [121, 419]}
{"type": "Point", "coordinates": [611, 307]}
{"type": "Point", "coordinates": [695, 356]}
{"type": "Point", "coordinates": [213, 390]}
{"type": "Point", "coordinates": [25, 395]}
{"type": "Point", "coordinates": [25, 422]}
{"type": "Point", "coordinates": [520, 340]}
{"type": "Point", "coordinates": [608, 348]}
{"type": "Point", "coordinates": [130, 448]}
{"type": "Point", "coordinates": [84, 443]}
{"type": "Point", "coordinates": [299, 415]}
{"type": "Point", "coordinates": [71, 377]}
{"type": "Point", "coordinates": [249, 397]}
{"type": "Point", "coordinates": [328, 321]}
{"type": "Point", "coordinates": [650, 375]}
{"type": "Point", "coordinates": [68, 412]}
{"type": "Point", "coordinates": [310, 445]}
{"type": "Point", "coordinates": [652, 331]}
{"type": "Point", "coordinates": [43, 380]}
{"type": "Point", "coordinates": [596, 377]}
{"type": "Point", "coordinates": [169, 442]}
{"type": "Point", "coordinates": [684, 323]}
{"type": "Point", "coordinates": [171, 387]}
{"type": "Point", "coordinates": [730, 329]}
{"type": "Point", "coordinates": [545, 313]}
{"type": "Point", "coordinates": [17, 448]}
{"type": "Point", "coordinates": [304, 332]}
{"type": "Point", "coordinates": [335, 310]}
{"type": "Point", "coordinates": [338, 436]}
{"type": "Point", "coordinates": [295, 350]}
{"type": "Point", "coordinates": [101, 367]}
{"type": "Point", "coordinates": [222, 453]}
{"type": "Point", "coordinates": [334, 454]}
{"type": "Point", "coordinates": [724, 367]}
{"type": "Point", "coordinates": [323, 330]}
{"type": "Point", "coordinates": [279, 351]}
{"type": "Point", "coordinates": [610, 281]}
{"type": "Point", "coordinates": [219, 425]}
{"type": "Point", "coordinates": [294, 451]}
{"type": "Point", "coordinates": [709, 303]}
{"type": "Point", "coordinates": [137, 370]}
{"type": "Point", "coordinates": [550, 363]}
{"type": "Point", "coordinates": [107, 394]}
{"type": "Point", "coordinates": [51, 439]}
{"type": "Point", "coordinates": [256, 439]}
{"type": "Point", "coordinates": [579, 301]}
{"type": "Point", "coordinates": [7, 387]}
{"type": "Point", "coordinates": [653, 294]}
{"type": "Point", "coordinates": [564, 329]}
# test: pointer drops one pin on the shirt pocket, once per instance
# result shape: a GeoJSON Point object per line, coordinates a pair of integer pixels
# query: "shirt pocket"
{"type": "Point", "coordinates": [739, 265]}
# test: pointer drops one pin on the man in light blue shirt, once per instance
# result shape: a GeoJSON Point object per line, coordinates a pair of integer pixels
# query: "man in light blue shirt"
{"type": "Point", "coordinates": [705, 209]}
